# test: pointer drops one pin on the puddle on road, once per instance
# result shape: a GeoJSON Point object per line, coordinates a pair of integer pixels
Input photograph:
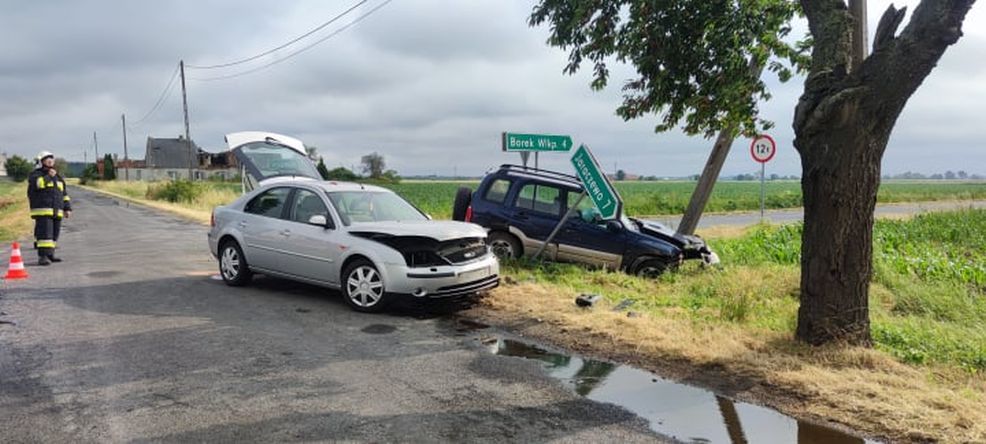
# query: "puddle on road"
{"type": "Point", "coordinates": [680, 411]}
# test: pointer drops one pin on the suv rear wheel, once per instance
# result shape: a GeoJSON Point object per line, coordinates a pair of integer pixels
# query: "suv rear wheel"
{"type": "Point", "coordinates": [504, 245]}
{"type": "Point", "coordinates": [463, 197]}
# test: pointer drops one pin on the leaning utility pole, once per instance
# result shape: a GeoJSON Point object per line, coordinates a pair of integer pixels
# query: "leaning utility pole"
{"type": "Point", "coordinates": [184, 104]}
{"type": "Point", "coordinates": [710, 174]}
{"type": "Point", "coordinates": [126, 162]}
{"type": "Point", "coordinates": [95, 143]}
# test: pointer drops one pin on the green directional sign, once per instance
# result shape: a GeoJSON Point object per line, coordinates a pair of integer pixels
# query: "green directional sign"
{"type": "Point", "coordinates": [536, 142]}
{"type": "Point", "coordinates": [596, 184]}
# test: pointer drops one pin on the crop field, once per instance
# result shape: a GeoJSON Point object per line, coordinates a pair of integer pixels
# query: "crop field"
{"type": "Point", "coordinates": [640, 198]}
{"type": "Point", "coordinates": [661, 198]}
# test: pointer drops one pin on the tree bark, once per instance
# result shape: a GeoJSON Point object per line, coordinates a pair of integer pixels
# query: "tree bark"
{"type": "Point", "coordinates": [842, 124]}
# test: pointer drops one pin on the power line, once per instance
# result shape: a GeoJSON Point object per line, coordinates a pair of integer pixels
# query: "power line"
{"type": "Point", "coordinates": [270, 51]}
{"type": "Point", "coordinates": [160, 100]}
{"type": "Point", "coordinates": [317, 42]}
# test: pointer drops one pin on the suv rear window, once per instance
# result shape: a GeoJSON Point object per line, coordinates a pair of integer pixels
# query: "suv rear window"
{"type": "Point", "coordinates": [497, 192]}
{"type": "Point", "coordinates": [540, 198]}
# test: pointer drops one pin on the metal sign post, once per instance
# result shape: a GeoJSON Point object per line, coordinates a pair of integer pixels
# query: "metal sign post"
{"type": "Point", "coordinates": [561, 223]}
{"type": "Point", "coordinates": [763, 150]}
{"type": "Point", "coordinates": [596, 185]}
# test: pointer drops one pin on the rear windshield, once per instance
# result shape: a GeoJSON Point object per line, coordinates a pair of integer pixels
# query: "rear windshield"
{"type": "Point", "coordinates": [278, 160]}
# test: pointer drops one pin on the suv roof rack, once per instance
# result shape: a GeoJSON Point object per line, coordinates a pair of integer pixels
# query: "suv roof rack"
{"type": "Point", "coordinates": [523, 169]}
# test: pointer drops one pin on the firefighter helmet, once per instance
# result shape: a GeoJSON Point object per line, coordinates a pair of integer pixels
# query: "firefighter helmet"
{"type": "Point", "coordinates": [42, 155]}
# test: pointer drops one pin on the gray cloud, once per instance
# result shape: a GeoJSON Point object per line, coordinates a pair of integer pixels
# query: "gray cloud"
{"type": "Point", "coordinates": [428, 83]}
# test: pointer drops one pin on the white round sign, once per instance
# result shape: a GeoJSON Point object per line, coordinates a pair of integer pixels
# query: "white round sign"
{"type": "Point", "coordinates": [763, 149]}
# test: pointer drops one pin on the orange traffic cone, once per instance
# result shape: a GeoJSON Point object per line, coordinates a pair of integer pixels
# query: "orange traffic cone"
{"type": "Point", "coordinates": [16, 269]}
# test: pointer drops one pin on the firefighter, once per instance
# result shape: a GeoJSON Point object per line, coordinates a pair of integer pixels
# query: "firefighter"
{"type": "Point", "coordinates": [50, 203]}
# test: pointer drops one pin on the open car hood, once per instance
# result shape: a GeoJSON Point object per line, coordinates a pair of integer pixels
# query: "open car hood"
{"type": "Point", "coordinates": [438, 230]}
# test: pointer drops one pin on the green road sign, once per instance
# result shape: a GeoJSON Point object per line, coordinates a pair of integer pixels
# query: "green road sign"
{"type": "Point", "coordinates": [536, 142]}
{"type": "Point", "coordinates": [596, 184]}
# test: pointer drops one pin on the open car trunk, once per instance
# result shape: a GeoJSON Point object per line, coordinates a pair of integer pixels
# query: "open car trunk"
{"type": "Point", "coordinates": [265, 157]}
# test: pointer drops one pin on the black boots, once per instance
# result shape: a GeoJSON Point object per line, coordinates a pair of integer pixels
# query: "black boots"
{"type": "Point", "coordinates": [44, 261]}
{"type": "Point", "coordinates": [52, 258]}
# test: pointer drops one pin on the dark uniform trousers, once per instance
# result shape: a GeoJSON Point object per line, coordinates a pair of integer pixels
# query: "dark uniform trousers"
{"type": "Point", "coordinates": [49, 200]}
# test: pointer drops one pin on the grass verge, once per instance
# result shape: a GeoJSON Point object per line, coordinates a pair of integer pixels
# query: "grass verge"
{"type": "Point", "coordinates": [15, 222]}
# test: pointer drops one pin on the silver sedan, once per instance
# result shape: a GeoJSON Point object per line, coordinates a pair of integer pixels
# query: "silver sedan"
{"type": "Point", "coordinates": [364, 240]}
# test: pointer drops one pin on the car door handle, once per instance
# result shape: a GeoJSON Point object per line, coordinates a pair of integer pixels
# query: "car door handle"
{"type": "Point", "coordinates": [285, 232]}
{"type": "Point", "coordinates": [522, 216]}
{"type": "Point", "coordinates": [242, 224]}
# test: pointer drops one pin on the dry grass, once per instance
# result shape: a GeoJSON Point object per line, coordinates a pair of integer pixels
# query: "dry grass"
{"type": "Point", "coordinates": [864, 389]}
{"type": "Point", "coordinates": [15, 222]}
{"type": "Point", "coordinates": [200, 210]}
{"type": "Point", "coordinates": [198, 215]}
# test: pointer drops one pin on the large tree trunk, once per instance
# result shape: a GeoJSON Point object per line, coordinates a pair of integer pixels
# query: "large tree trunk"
{"type": "Point", "coordinates": [841, 174]}
{"type": "Point", "coordinates": [842, 124]}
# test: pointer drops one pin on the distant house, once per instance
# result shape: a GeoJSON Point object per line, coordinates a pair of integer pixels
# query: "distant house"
{"type": "Point", "coordinates": [3, 164]}
{"type": "Point", "coordinates": [170, 153]}
{"type": "Point", "coordinates": [166, 159]}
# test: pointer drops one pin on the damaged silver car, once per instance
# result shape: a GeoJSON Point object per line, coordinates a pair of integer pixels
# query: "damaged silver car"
{"type": "Point", "coordinates": [364, 240]}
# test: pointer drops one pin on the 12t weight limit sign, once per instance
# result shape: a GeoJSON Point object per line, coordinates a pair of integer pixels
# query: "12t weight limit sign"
{"type": "Point", "coordinates": [763, 149]}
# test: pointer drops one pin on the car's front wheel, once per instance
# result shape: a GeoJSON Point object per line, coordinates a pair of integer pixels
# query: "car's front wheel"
{"type": "Point", "coordinates": [232, 265]}
{"type": "Point", "coordinates": [504, 245]}
{"type": "Point", "coordinates": [651, 268]}
{"type": "Point", "coordinates": [363, 288]}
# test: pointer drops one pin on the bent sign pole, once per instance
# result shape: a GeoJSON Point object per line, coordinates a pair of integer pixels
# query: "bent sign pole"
{"type": "Point", "coordinates": [561, 223]}
{"type": "Point", "coordinates": [595, 185]}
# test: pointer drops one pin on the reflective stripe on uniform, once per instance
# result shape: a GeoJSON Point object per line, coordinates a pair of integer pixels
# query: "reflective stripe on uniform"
{"type": "Point", "coordinates": [41, 182]}
{"type": "Point", "coordinates": [42, 212]}
{"type": "Point", "coordinates": [60, 214]}
{"type": "Point", "coordinates": [61, 186]}
{"type": "Point", "coordinates": [47, 243]}
{"type": "Point", "coordinates": [66, 199]}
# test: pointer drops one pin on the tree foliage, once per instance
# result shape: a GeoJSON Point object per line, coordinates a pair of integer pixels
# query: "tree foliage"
{"type": "Point", "coordinates": [109, 168]}
{"type": "Point", "coordinates": [18, 168]}
{"type": "Point", "coordinates": [341, 173]}
{"type": "Point", "coordinates": [373, 165]}
{"type": "Point", "coordinates": [322, 169]}
{"type": "Point", "coordinates": [692, 58]}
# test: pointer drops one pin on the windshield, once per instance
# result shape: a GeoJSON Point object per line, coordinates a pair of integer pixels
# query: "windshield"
{"type": "Point", "coordinates": [269, 160]}
{"type": "Point", "coordinates": [373, 206]}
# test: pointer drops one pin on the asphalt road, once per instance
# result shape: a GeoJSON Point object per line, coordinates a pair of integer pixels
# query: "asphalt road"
{"type": "Point", "coordinates": [131, 340]}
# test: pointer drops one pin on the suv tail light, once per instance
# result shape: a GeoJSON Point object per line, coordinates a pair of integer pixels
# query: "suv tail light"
{"type": "Point", "coordinates": [469, 213]}
{"type": "Point", "coordinates": [212, 219]}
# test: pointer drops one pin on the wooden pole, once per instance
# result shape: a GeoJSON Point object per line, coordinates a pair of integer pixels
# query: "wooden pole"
{"type": "Point", "coordinates": [700, 197]}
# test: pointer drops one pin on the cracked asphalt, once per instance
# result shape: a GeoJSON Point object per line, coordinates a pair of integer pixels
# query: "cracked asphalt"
{"type": "Point", "coordinates": [132, 340]}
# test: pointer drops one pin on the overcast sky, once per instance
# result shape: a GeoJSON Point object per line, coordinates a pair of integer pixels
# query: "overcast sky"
{"type": "Point", "coordinates": [430, 84]}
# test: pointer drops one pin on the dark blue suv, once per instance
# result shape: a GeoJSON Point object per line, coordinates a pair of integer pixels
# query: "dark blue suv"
{"type": "Point", "coordinates": [521, 206]}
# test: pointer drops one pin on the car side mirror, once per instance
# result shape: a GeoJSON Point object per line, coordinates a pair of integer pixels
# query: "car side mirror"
{"type": "Point", "coordinates": [319, 220]}
{"type": "Point", "coordinates": [614, 227]}
{"type": "Point", "coordinates": [429, 216]}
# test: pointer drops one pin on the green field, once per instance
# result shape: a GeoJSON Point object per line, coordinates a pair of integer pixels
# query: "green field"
{"type": "Point", "coordinates": [640, 198]}
{"type": "Point", "coordinates": [661, 198]}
